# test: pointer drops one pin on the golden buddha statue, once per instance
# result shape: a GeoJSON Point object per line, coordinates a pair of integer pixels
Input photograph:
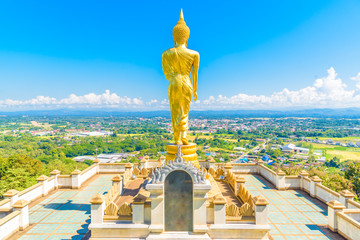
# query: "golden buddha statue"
{"type": "Point", "coordinates": [177, 63]}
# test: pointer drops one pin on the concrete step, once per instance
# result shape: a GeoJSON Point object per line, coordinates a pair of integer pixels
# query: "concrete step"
{"type": "Point", "coordinates": [178, 236]}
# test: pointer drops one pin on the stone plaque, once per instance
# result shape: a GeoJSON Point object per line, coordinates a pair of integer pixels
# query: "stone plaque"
{"type": "Point", "coordinates": [178, 202]}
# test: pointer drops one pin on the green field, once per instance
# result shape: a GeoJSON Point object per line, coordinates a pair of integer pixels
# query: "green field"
{"type": "Point", "coordinates": [342, 140]}
{"type": "Point", "coordinates": [343, 153]}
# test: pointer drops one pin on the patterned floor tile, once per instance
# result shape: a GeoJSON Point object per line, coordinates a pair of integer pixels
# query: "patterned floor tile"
{"type": "Point", "coordinates": [68, 228]}
{"type": "Point", "coordinates": [323, 237]}
{"type": "Point", "coordinates": [65, 214]}
{"type": "Point", "coordinates": [292, 214]}
{"type": "Point", "coordinates": [278, 237]}
{"type": "Point", "coordinates": [278, 217]}
{"type": "Point", "coordinates": [36, 217]}
{"type": "Point", "coordinates": [296, 238]}
{"type": "Point", "coordinates": [288, 229]}
{"type": "Point", "coordinates": [44, 228]}
{"type": "Point", "coordinates": [274, 230]}
{"type": "Point", "coordinates": [33, 237]}
{"type": "Point", "coordinates": [298, 218]}
{"type": "Point", "coordinates": [286, 208]}
{"type": "Point", "coordinates": [310, 229]}
{"type": "Point", "coordinates": [304, 208]}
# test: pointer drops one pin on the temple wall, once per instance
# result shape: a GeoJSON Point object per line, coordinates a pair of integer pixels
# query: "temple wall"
{"type": "Point", "coordinates": [152, 164]}
{"type": "Point", "coordinates": [126, 231]}
{"type": "Point", "coordinates": [246, 168]}
{"type": "Point", "coordinates": [64, 181]}
{"type": "Point", "coordinates": [348, 225]}
{"type": "Point", "coordinates": [5, 206]}
{"type": "Point", "coordinates": [269, 174]}
{"type": "Point", "coordinates": [6, 203]}
{"type": "Point", "coordinates": [31, 193]}
{"type": "Point", "coordinates": [204, 163]}
{"type": "Point", "coordinates": [325, 194]}
{"type": "Point", "coordinates": [233, 231]}
{"type": "Point", "coordinates": [88, 173]}
{"type": "Point", "coordinates": [353, 205]}
{"type": "Point", "coordinates": [112, 167]}
{"type": "Point", "coordinates": [292, 182]}
{"type": "Point", "coordinates": [306, 184]}
{"type": "Point", "coordinates": [9, 224]}
{"type": "Point", "coordinates": [50, 184]}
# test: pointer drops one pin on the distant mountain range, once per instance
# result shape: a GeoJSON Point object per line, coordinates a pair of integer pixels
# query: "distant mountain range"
{"type": "Point", "coordinates": [316, 113]}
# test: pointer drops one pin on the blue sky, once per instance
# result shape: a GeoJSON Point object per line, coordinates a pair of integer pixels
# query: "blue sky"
{"type": "Point", "coordinates": [254, 54]}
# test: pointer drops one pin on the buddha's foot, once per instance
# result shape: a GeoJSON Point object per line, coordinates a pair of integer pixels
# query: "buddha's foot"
{"type": "Point", "coordinates": [177, 142]}
{"type": "Point", "coordinates": [185, 141]}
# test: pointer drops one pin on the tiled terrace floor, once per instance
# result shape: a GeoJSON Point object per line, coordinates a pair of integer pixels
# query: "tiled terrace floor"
{"type": "Point", "coordinates": [65, 214]}
{"type": "Point", "coordinates": [293, 214]}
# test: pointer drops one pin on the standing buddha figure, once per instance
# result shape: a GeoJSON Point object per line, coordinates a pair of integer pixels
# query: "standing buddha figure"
{"type": "Point", "coordinates": [177, 63]}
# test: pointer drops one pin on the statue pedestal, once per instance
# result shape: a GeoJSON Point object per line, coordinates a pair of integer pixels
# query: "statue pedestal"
{"type": "Point", "coordinates": [188, 151]}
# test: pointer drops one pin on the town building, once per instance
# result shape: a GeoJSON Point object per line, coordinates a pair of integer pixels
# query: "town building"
{"type": "Point", "coordinates": [293, 149]}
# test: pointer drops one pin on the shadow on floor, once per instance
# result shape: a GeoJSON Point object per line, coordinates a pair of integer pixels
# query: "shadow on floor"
{"type": "Point", "coordinates": [67, 206]}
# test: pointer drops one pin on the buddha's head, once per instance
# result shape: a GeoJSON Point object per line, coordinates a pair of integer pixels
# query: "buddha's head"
{"type": "Point", "coordinates": [181, 32]}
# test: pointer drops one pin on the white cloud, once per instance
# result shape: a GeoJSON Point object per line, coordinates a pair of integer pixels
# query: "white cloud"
{"type": "Point", "coordinates": [329, 91]}
{"type": "Point", "coordinates": [326, 92]}
{"type": "Point", "coordinates": [357, 79]}
{"type": "Point", "coordinates": [106, 99]}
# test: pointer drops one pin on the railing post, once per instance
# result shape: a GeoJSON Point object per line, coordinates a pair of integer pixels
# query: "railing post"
{"type": "Point", "coordinates": [43, 180]}
{"type": "Point", "coordinates": [302, 174]}
{"type": "Point", "coordinates": [314, 181]}
{"type": "Point", "coordinates": [97, 162]}
{"type": "Point", "coordinates": [22, 206]}
{"type": "Point", "coordinates": [346, 195]}
{"type": "Point", "coordinates": [75, 179]}
{"type": "Point", "coordinates": [142, 163]}
{"type": "Point", "coordinates": [220, 211]}
{"type": "Point", "coordinates": [199, 206]}
{"type": "Point", "coordinates": [146, 163]}
{"type": "Point", "coordinates": [55, 173]}
{"type": "Point", "coordinates": [228, 167]}
{"type": "Point", "coordinates": [139, 209]}
{"type": "Point", "coordinates": [280, 180]}
{"type": "Point", "coordinates": [138, 212]}
{"type": "Point", "coordinates": [12, 194]}
{"type": "Point", "coordinates": [128, 172]}
{"type": "Point", "coordinates": [259, 163]}
{"type": "Point", "coordinates": [157, 207]}
{"type": "Point", "coordinates": [333, 207]}
{"type": "Point", "coordinates": [97, 209]}
{"type": "Point", "coordinates": [211, 162]}
{"type": "Point", "coordinates": [117, 179]}
{"type": "Point", "coordinates": [261, 210]}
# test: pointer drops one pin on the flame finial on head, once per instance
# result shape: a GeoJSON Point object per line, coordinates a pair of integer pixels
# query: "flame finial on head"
{"type": "Point", "coordinates": [181, 15]}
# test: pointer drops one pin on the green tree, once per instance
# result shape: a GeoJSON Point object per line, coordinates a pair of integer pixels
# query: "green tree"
{"type": "Point", "coordinates": [353, 174]}
{"type": "Point", "coordinates": [334, 162]}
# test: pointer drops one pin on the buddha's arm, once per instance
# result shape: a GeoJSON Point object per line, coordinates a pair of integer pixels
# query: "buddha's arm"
{"type": "Point", "coordinates": [195, 74]}
{"type": "Point", "coordinates": [165, 66]}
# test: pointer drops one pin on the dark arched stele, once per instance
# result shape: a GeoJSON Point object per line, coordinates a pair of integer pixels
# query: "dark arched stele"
{"type": "Point", "coordinates": [178, 201]}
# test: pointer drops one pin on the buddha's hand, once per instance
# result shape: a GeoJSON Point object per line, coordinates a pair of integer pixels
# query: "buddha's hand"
{"type": "Point", "coordinates": [195, 96]}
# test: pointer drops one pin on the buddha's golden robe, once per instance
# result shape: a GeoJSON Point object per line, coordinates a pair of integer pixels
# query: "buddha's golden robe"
{"type": "Point", "coordinates": [177, 64]}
